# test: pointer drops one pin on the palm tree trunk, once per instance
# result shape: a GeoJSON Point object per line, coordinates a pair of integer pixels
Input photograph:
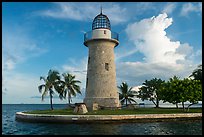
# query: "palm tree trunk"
{"type": "Point", "coordinates": [177, 105]}
{"type": "Point", "coordinates": [157, 103]}
{"type": "Point", "coordinates": [69, 101]}
{"type": "Point", "coordinates": [51, 101]}
{"type": "Point", "coordinates": [126, 102]}
{"type": "Point", "coordinates": [183, 106]}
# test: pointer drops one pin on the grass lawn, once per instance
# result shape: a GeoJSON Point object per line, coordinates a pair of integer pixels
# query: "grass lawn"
{"type": "Point", "coordinates": [118, 112]}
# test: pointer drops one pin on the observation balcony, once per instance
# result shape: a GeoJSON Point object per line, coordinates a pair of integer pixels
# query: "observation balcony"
{"type": "Point", "coordinates": [112, 36]}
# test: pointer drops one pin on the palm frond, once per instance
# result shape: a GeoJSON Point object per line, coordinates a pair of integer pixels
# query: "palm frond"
{"type": "Point", "coordinates": [40, 88]}
{"type": "Point", "coordinates": [65, 92]}
{"type": "Point", "coordinates": [71, 85]}
{"type": "Point", "coordinates": [43, 78]}
{"type": "Point", "coordinates": [61, 96]}
{"type": "Point", "coordinates": [72, 91]}
{"type": "Point", "coordinates": [130, 99]}
{"type": "Point", "coordinates": [44, 94]}
{"type": "Point", "coordinates": [77, 88]}
{"type": "Point", "coordinates": [122, 101]}
{"type": "Point", "coordinates": [120, 96]}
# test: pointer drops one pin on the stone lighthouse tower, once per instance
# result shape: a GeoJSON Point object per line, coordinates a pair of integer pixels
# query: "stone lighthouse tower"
{"type": "Point", "coordinates": [101, 85]}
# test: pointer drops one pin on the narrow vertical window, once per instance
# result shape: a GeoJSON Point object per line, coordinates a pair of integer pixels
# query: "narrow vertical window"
{"type": "Point", "coordinates": [107, 66]}
{"type": "Point", "coordinates": [104, 31]}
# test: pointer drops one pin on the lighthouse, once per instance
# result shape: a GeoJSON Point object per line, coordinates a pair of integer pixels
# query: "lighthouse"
{"type": "Point", "coordinates": [101, 88]}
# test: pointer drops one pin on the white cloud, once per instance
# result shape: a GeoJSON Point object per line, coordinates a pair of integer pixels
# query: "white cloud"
{"type": "Point", "coordinates": [18, 47]}
{"type": "Point", "coordinates": [7, 64]}
{"type": "Point", "coordinates": [191, 7]}
{"type": "Point", "coordinates": [135, 73]}
{"type": "Point", "coordinates": [150, 38]}
{"type": "Point", "coordinates": [65, 10]}
{"type": "Point", "coordinates": [185, 49]}
{"type": "Point", "coordinates": [118, 13]}
{"type": "Point", "coordinates": [77, 68]}
{"type": "Point", "coordinates": [125, 52]}
{"type": "Point", "coordinates": [23, 88]}
{"type": "Point", "coordinates": [136, 88]}
{"type": "Point", "coordinates": [196, 57]}
{"type": "Point", "coordinates": [86, 11]}
{"type": "Point", "coordinates": [164, 58]}
{"type": "Point", "coordinates": [19, 87]}
{"type": "Point", "coordinates": [169, 8]}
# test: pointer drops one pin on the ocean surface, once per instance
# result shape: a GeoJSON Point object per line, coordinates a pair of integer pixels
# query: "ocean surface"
{"type": "Point", "coordinates": [12, 127]}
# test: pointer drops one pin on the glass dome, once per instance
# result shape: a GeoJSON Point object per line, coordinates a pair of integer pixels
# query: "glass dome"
{"type": "Point", "coordinates": [101, 21]}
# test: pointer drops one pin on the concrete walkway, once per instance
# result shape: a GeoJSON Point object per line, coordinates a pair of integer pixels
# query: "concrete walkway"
{"type": "Point", "coordinates": [105, 118]}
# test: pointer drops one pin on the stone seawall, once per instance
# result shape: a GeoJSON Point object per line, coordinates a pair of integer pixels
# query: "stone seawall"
{"type": "Point", "coordinates": [105, 118]}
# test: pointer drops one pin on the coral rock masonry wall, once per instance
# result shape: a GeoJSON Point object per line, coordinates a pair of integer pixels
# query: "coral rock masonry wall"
{"type": "Point", "coordinates": [101, 85]}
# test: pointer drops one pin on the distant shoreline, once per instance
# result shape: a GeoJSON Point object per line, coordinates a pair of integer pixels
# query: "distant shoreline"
{"type": "Point", "coordinates": [142, 106]}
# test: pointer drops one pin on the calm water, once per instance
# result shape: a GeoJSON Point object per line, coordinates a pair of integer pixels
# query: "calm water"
{"type": "Point", "coordinates": [10, 126]}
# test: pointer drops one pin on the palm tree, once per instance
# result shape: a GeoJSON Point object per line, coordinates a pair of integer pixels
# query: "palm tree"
{"type": "Point", "coordinates": [69, 87]}
{"type": "Point", "coordinates": [126, 94]}
{"type": "Point", "coordinates": [51, 81]}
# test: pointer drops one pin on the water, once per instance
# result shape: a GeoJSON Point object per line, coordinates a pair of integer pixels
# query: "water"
{"type": "Point", "coordinates": [12, 127]}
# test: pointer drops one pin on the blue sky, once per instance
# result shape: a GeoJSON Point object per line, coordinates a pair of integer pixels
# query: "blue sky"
{"type": "Point", "coordinates": [157, 39]}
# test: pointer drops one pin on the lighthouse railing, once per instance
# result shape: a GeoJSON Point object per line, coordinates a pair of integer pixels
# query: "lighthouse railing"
{"type": "Point", "coordinates": [89, 36]}
{"type": "Point", "coordinates": [114, 35]}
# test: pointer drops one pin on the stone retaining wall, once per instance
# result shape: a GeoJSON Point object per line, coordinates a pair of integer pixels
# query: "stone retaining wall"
{"type": "Point", "coordinates": [92, 118]}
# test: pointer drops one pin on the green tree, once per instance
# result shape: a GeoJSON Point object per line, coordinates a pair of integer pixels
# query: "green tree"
{"type": "Point", "coordinates": [193, 91]}
{"type": "Point", "coordinates": [151, 91]}
{"type": "Point", "coordinates": [50, 82]}
{"type": "Point", "coordinates": [126, 94]}
{"type": "Point", "coordinates": [180, 91]}
{"type": "Point", "coordinates": [169, 92]}
{"type": "Point", "coordinates": [197, 73]}
{"type": "Point", "coordinates": [68, 87]}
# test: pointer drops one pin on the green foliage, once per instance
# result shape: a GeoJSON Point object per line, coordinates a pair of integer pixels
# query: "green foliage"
{"type": "Point", "coordinates": [179, 91]}
{"type": "Point", "coordinates": [151, 91]}
{"type": "Point", "coordinates": [171, 92]}
{"type": "Point", "coordinates": [193, 91]}
{"type": "Point", "coordinates": [197, 73]}
{"type": "Point", "coordinates": [68, 87]}
{"type": "Point", "coordinates": [126, 94]}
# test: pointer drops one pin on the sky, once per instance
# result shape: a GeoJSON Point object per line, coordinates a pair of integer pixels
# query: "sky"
{"type": "Point", "coordinates": [156, 40]}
